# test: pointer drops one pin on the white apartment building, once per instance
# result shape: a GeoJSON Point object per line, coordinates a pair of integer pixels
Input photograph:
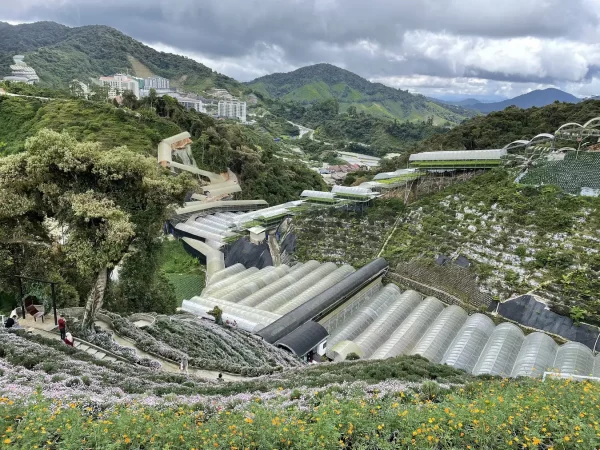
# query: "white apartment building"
{"type": "Point", "coordinates": [191, 103]}
{"type": "Point", "coordinates": [120, 83]}
{"type": "Point", "coordinates": [156, 83]}
{"type": "Point", "coordinates": [232, 109]}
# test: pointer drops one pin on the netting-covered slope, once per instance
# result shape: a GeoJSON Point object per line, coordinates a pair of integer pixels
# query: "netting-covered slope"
{"type": "Point", "coordinates": [574, 173]}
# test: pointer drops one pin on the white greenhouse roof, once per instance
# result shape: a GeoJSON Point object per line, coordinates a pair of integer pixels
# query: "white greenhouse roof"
{"type": "Point", "coordinates": [317, 194]}
{"type": "Point", "coordinates": [351, 190]}
{"type": "Point", "coordinates": [458, 155]}
{"type": "Point", "coordinates": [397, 173]}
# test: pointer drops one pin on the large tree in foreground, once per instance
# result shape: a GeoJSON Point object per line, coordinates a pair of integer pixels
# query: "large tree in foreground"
{"type": "Point", "coordinates": [104, 201]}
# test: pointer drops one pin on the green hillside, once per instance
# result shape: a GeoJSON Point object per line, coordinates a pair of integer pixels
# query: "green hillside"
{"type": "Point", "coordinates": [91, 51]}
{"type": "Point", "coordinates": [499, 128]}
{"type": "Point", "coordinates": [311, 84]}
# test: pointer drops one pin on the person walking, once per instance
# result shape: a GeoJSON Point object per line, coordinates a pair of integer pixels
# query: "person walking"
{"type": "Point", "coordinates": [69, 340]}
{"type": "Point", "coordinates": [62, 327]}
{"type": "Point", "coordinates": [184, 364]}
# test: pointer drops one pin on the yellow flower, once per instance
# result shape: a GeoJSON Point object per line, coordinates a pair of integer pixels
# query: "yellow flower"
{"type": "Point", "coordinates": [567, 438]}
{"type": "Point", "coordinates": [248, 420]}
{"type": "Point", "coordinates": [537, 441]}
{"type": "Point", "coordinates": [7, 441]}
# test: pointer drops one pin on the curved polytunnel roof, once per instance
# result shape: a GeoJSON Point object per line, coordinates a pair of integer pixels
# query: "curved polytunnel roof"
{"type": "Point", "coordinates": [209, 228]}
{"type": "Point", "coordinates": [340, 350]}
{"type": "Point", "coordinates": [397, 173]}
{"type": "Point", "coordinates": [298, 272]}
{"type": "Point", "coordinates": [406, 336]}
{"type": "Point", "coordinates": [325, 301]}
{"type": "Point", "coordinates": [276, 301]}
{"type": "Point", "coordinates": [265, 278]}
{"type": "Point", "coordinates": [229, 271]}
{"type": "Point", "coordinates": [536, 356]}
{"type": "Point", "coordinates": [470, 340]}
{"type": "Point", "coordinates": [314, 290]}
{"type": "Point", "coordinates": [222, 292]}
{"type": "Point", "coordinates": [198, 232]}
{"type": "Point", "coordinates": [231, 279]}
{"type": "Point", "coordinates": [303, 339]}
{"type": "Point", "coordinates": [381, 328]}
{"type": "Point", "coordinates": [365, 315]}
{"type": "Point", "coordinates": [317, 194]}
{"type": "Point", "coordinates": [236, 310]}
{"type": "Point", "coordinates": [440, 334]}
{"type": "Point", "coordinates": [209, 221]}
{"type": "Point", "coordinates": [574, 358]}
{"type": "Point", "coordinates": [202, 310]}
{"type": "Point", "coordinates": [499, 354]}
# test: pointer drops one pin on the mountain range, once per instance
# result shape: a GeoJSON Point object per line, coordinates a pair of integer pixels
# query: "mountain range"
{"type": "Point", "coordinates": [60, 54]}
{"type": "Point", "coordinates": [537, 98]}
{"type": "Point", "coordinates": [318, 82]}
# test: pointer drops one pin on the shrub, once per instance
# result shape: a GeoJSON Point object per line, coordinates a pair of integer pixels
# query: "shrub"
{"type": "Point", "coordinates": [352, 357]}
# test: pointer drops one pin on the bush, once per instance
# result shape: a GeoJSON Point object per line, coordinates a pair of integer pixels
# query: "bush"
{"type": "Point", "coordinates": [352, 357]}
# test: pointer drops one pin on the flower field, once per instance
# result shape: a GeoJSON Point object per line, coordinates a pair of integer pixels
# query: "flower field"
{"type": "Point", "coordinates": [485, 414]}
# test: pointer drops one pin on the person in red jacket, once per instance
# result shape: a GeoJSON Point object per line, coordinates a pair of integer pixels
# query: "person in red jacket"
{"type": "Point", "coordinates": [62, 327]}
{"type": "Point", "coordinates": [69, 340]}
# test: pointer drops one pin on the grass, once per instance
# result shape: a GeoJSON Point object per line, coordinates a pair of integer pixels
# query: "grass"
{"type": "Point", "coordinates": [182, 270]}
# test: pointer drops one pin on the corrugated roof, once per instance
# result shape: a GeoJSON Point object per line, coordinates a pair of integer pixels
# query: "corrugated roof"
{"type": "Point", "coordinates": [351, 190]}
{"type": "Point", "coordinates": [317, 194]}
{"type": "Point", "coordinates": [458, 155]}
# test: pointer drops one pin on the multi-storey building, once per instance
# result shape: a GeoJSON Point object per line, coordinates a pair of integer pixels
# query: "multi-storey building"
{"type": "Point", "coordinates": [120, 83]}
{"type": "Point", "coordinates": [232, 109]}
{"type": "Point", "coordinates": [156, 83]}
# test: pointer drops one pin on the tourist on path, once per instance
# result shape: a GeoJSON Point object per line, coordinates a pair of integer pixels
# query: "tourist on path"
{"type": "Point", "coordinates": [62, 327]}
{"type": "Point", "coordinates": [69, 340]}
{"type": "Point", "coordinates": [184, 364]}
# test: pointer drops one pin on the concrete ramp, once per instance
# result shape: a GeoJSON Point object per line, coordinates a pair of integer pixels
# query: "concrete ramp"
{"type": "Point", "coordinates": [215, 260]}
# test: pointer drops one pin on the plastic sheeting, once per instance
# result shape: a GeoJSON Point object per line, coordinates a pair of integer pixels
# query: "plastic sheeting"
{"type": "Point", "coordinates": [229, 271]}
{"type": "Point", "coordinates": [314, 290]}
{"type": "Point", "coordinates": [265, 278]}
{"type": "Point", "coordinates": [232, 309]}
{"type": "Point", "coordinates": [359, 321]}
{"type": "Point", "coordinates": [597, 366]}
{"type": "Point", "coordinates": [232, 287]}
{"type": "Point", "coordinates": [298, 272]}
{"type": "Point", "coordinates": [406, 336]}
{"type": "Point", "coordinates": [291, 292]}
{"type": "Point", "coordinates": [440, 334]}
{"type": "Point", "coordinates": [470, 340]}
{"type": "Point", "coordinates": [536, 356]}
{"type": "Point", "coordinates": [574, 358]}
{"type": "Point", "coordinates": [499, 354]}
{"type": "Point", "coordinates": [381, 328]}
{"type": "Point", "coordinates": [232, 279]}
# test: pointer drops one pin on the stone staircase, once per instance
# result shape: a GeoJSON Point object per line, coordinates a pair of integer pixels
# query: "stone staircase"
{"type": "Point", "coordinates": [93, 350]}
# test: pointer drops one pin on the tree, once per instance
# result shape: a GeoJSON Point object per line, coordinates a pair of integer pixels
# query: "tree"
{"type": "Point", "coordinates": [217, 313]}
{"type": "Point", "coordinates": [130, 100]}
{"type": "Point", "coordinates": [107, 201]}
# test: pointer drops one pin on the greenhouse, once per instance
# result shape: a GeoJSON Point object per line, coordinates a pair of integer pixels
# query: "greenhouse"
{"type": "Point", "coordinates": [353, 193]}
{"type": "Point", "coordinates": [318, 196]}
{"type": "Point", "coordinates": [459, 159]}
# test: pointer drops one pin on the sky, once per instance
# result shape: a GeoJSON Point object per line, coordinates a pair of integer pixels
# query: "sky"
{"type": "Point", "coordinates": [486, 49]}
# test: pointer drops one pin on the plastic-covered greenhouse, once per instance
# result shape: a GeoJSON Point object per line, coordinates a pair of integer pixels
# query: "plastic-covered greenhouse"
{"type": "Point", "coordinates": [574, 358]}
{"type": "Point", "coordinates": [406, 336]}
{"type": "Point", "coordinates": [499, 354]}
{"type": "Point", "coordinates": [465, 349]}
{"type": "Point", "coordinates": [536, 356]}
{"type": "Point", "coordinates": [438, 337]}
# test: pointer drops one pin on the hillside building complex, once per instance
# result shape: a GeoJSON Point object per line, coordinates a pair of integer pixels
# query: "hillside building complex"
{"type": "Point", "coordinates": [232, 109]}
{"type": "Point", "coordinates": [120, 83]}
{"type": "Point", "coordinates": [156, 83]}
{"type": "Point", "coordinates": [21, 72]}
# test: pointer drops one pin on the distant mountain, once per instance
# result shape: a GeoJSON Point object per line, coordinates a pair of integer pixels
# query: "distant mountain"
{"type": "Point", "coordinates": [324, 81]}
{"type": "Point", "coordinates": [60, 54]}
{"type": "Point", "coordinates": [467, 102]}
{"type": "Point", "coordinates": [537, 98]}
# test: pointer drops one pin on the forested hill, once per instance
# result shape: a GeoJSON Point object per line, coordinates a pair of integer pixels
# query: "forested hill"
{"type": "Point", "coordinates": [60, 54]}
{"type": "Point", "coordinates": [499, 128]}
{"type": "Point", "coordinates": [324, 81]}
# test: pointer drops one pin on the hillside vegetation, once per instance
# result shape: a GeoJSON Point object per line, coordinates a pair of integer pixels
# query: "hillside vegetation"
{"type": "Point", "coordinates": [311, 84]}
{"type": "Point", "coordinates": [91, 51]}
{"type": "Point", "coordinates": [500, 128]}
{"type": "Point", "coordinates": [67, 399]}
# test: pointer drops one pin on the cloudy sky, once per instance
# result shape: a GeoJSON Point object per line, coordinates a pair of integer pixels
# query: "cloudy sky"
{"type": "Point", "coordinates": [482, 48]}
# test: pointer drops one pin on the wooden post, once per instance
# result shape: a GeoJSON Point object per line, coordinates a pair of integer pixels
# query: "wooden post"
{"type": "Point", "coordinates": [21, 293]}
